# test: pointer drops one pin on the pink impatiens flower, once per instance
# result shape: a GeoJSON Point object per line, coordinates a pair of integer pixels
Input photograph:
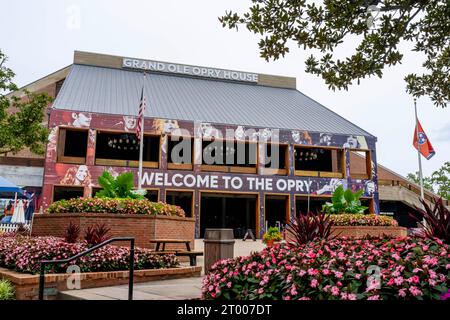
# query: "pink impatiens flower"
{"type": "Point", "coordinates": [415, 291]}
{"type": "Point", "coordinates": [413, 279]}
{"type": "Point", "coordinates": [313, 272]}
{"type": "Point", "coordinates": [293, 291]}
{"type": "Point", "coordinates": [335, 291]}
{"type": "Point", "coordinates": [402, 292]}
{"type": "Point", "coordinates": [398, 281]}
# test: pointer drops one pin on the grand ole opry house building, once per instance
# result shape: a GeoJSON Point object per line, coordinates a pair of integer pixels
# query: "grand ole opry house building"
{"type": "Point", "coordinates": [93, 120]}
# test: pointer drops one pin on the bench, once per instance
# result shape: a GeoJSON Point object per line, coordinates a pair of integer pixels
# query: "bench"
{"type": "Point", "coordinates": [183, 253]}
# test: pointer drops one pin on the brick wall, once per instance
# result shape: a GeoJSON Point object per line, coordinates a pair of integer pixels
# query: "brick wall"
{"type": "Point", "coordinates": [360, 232]}
{"type": "Point", "coordinates": [363, 231]}
{"type": "Point", "coordinates": [26, 286]}
{"type": "Point", "coordinates": [143, 228]}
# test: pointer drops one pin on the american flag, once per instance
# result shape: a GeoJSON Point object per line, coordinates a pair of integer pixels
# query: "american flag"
{"type": "Point", "coordinates": [140, 115]}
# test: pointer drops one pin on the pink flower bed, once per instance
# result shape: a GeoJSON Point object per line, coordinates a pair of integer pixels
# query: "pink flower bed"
{"type": "Point", "coordinates": [341, 269]}
{"type": "Point", "coordinates": [362, 220]}
{"type": "Point", "coordinates": [23, 254]}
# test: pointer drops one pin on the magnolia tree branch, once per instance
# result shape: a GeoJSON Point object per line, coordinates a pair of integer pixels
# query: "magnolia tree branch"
{"type": "Point", "coordinates": [380, 27]}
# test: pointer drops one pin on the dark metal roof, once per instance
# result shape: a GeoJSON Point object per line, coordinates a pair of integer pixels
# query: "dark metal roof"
{"type": "Point", "coordinates": [114, 91]}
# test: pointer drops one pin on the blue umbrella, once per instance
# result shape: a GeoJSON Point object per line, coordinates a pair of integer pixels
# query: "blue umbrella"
{"type": "Point", "coordinates": [9, 189]}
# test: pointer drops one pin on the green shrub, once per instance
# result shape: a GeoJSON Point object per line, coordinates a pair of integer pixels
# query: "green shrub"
{"type": "Point", "coordinates": [119, 206]}
{"type": "Point", "coordinates": [6, 290]}
{"type": "Point", "coordinates": [119, 187]}
{"type": "Point", "coordinates": [345, 202]}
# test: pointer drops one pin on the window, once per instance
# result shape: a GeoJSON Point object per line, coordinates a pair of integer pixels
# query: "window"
{"type": "Point", "coordinates": [180, 153]}
{"type": "Point", "coordinates": [360, 164]}
{"type": "Point", "coordinates": [58, 86]}
{"type": "Point", "coordinates": [72, 146]}
{"type": "Point", "coordinates": [66, 193]}
{"type": "Point", "coordinates": [314, 204]}
{"type": "Point", "coordinates": [152, 195]}
{"type": "Point", "coordinates": [276, 158]}
{"type": "Point", "coordinates": [367, 203]}
{"type": "Point", "coordinates": [324, 162]}
{"type": "Point", "coordinates": [122, 149]}
{"type": "Point", "coordinates": [182, 199]}
{"type": "Point", "coordinates": [229, 156]}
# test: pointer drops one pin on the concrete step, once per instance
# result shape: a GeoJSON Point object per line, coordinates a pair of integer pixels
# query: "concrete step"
{"type": "Point", "coordinates": [79, 295]}
{"type": "Point", "coordinates": [175, 289]}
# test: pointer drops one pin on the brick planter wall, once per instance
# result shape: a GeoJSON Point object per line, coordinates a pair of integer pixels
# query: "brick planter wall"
{"type": "Point", "coordinates": [359, 232]}
{"type": "Point", "coordinates": [26, 286]}
{"type": "Point", "coordinates": [143, 228]}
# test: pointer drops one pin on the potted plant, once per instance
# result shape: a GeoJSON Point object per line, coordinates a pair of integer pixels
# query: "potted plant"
{"type": "Point", "coordinates": [272, 235]}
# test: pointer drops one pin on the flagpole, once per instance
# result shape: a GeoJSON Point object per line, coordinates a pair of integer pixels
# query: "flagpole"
{"type": "Point", "coordinates": [418, 152]}
{"type": "Point", "coordinates": [141, 144]}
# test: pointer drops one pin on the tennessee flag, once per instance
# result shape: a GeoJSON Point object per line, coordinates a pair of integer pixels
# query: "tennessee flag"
{"type": "Point", "coordinates": [423, 144]}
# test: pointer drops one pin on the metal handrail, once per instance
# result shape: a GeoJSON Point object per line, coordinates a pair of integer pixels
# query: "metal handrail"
{"type": "Point", "coordinates": [43, 263]}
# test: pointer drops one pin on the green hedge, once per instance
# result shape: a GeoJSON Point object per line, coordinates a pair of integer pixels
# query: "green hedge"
{"type": "Point", "coordinates": [119, 206]}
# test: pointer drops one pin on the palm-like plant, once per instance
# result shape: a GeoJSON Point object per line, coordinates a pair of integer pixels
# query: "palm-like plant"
{"type": "Point", "coordinates": [309, 227]}
{"type": "Point", "coordinates": [96, 234]}
{"type": "Point", "coordinates": [120, 187]}
{"type": "Point", "coordinates": [72, 233]}
{"type": "Point", "coordinates": [434, 221]}
{"type": "Point", "coordinates": [345, 202]}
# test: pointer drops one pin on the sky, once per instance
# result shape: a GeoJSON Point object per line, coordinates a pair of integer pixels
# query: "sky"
{"type": "Point", "coordinates": [39, 37]}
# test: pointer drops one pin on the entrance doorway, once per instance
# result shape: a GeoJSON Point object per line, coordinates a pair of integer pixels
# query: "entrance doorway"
{"type": "Point", "coordinates": [276, 210]}
{"type": "Point", "coordinates": [233, 211]}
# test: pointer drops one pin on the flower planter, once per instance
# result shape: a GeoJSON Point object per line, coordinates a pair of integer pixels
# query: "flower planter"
{"type": "Point", "coordinates": [142, 227]}
{"type": "Point", "coordinates": [269, 243]}
{"type": "Point", "coordinates": [26, 285]}
{"type": "Point", "coordinates": [363, 231]}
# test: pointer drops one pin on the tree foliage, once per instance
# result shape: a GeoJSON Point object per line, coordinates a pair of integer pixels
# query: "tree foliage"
{"type": "Point", "coordinates": [438, 182]}
{"type": "Point", "coordinates": [21, 120]}
{"type": "Point", "coordinates": [427, 183]}
{"type": "Point", "coordinates": [377, 28]}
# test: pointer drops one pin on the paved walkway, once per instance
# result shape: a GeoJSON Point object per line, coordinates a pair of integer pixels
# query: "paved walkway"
{"type": "Point", "coordinates": [177, 289]}
{"type": "Point", "coordinates": [241, 248]}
